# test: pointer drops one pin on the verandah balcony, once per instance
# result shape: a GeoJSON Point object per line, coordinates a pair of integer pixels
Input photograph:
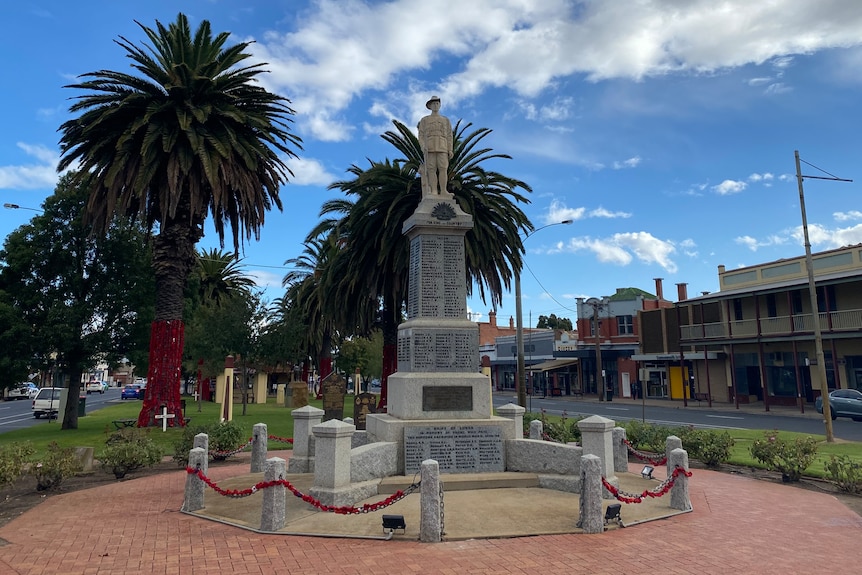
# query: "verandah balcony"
{"type": "Point", "coordinates": [799, 324]}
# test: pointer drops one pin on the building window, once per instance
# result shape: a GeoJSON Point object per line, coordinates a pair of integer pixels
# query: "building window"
{"type": "Point", "coordinates": [826, 298]}
{"type": "Point", "coordinates": [737, 309]}
{"type": "Point", "coordinates": [796, 301]}
{"type": "Point", "coordinates": [771, 307]}
{"type": "Point", "coordinates": [625, 326]}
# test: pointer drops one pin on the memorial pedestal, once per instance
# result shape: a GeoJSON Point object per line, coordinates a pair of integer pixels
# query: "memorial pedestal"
{"type": "Point", "coordinates": [458, 445]}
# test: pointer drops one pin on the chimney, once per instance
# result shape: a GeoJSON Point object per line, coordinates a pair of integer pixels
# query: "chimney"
{"type": "Point", "coordinates": [511, 322]}
{"type": "Point", "coordinates": [682, 292]}
{"type": "Point", "coordinates": [659, 293]}
{"type": "Point", "coordinates": [492, 319]}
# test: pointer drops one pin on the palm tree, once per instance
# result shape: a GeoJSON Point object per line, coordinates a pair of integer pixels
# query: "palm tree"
{"type": "Point", "coordinates": [192, 136]}
{"type": "Point", "coordinates": [387, 193]}
{"type": "Point", "coordinates": [220, 276]}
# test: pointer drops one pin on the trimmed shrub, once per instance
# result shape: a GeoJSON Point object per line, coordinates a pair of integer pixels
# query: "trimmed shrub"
{"type": "Point", "coordinates": [13, 461]}
{"type": "Point", "coordinates": [129, 449]}
{"type": "Point", "coordinates": [563, 431]}
{"type": "Point", "coordinates": [59, 464]}
{"type": "Point", "coordinates": [223, 437]}
{"type": "Point", "coordinates": [648, 437]}
{"type": "Point", "coordinates": [845, 473]}
{"type": "Point", "coordinates": [710, 447]}
{"type": "Point", "coordinates": [790, 458]}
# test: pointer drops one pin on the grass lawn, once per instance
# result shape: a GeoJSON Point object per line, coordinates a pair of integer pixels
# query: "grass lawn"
{"type": "Point", "coordinates": [96, 426]}
{"type": "Point", "coordinates": [743, 438]}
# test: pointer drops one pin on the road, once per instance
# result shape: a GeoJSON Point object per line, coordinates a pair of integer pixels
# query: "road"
{"type": "Point", "coordinates": [675, 414]}
{"type": "Point", "coordinates": [18, 414]}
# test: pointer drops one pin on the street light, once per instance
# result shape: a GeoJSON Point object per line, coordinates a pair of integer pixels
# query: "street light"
{"type": "Point", "coordinates": [812, 293]}
{"type": "Point", "coordinates": [17, 207]}
{"type": "Point", "coordinates": [521, 382]}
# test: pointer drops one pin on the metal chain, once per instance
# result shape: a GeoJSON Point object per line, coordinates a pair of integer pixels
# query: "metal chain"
{"type": "Point", "coordinates": [442, 530]}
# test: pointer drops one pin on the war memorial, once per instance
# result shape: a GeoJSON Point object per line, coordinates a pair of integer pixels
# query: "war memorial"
{"type": "Point", "coordinates": [439, 439]}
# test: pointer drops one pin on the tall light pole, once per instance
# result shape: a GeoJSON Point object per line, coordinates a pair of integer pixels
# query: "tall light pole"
{"type": "Point", "coordinates": [812, 294]}
{"type": "Point", "coordinates": [521, 382]}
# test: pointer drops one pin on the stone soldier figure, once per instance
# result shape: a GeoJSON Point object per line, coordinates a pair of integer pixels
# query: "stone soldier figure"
{"type": "Point", "coordinates": [435, 137]}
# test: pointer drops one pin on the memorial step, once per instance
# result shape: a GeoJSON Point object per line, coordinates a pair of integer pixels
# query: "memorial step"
{"type": "Point", "coordinates": [464, 481]}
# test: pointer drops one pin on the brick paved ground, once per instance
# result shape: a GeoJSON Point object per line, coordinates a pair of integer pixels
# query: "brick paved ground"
{"type": "Point", "coordinates": [738, 525]}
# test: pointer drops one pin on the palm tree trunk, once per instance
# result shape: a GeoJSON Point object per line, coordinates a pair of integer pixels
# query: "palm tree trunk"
{"type": "Point", "coordinates": [173, 259]}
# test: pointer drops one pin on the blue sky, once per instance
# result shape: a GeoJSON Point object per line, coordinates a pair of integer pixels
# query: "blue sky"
{"type": "Point", "coordinates": [665, 129]}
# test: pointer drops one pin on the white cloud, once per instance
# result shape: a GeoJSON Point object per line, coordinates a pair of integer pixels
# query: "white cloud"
{"type": "Point", "coordinates": [728, 187]}
{"type": "Point", "coordinates": [630, 163]}
{"type": "Point", "coordinates": [754, 244]}
{"type": "Point", "coordinates": [308, 172]}
{"type": "Point", "coordinates": [557, 110]}
{"type": "Point", "coordinates": [558, 212]}
{"type": "Point", "coordinates": [765, 177]}
{"type": "Point", "coordinates": [40, 174]}
{"type": "Point", "coordinates": [343, 48]}
{"type": "Point", "coordinates": [846, 216]}
{"type": "Point", "coordinates": [603, 213]}
{"type": "Point", "coordinates": [621, 249]}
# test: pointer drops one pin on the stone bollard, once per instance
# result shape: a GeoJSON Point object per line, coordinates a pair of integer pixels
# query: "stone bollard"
{"type": "Point", "coordinates": [516, 414]}
{"type": "Point", "coordinates": [273, 512]}
{"type": "Point", "coordinates": [679, 497]}
{"type": "Point", "coordinates": [202, 440]}
{"type": "Point", "coordinates": [332, 461]}
{"type": "Point", "coordinates": [537, 428]}
{"type": "Point", "coordinates": [259, 446]}
{"type": "Point", "coordinates": [596, 439]}
{"type": "Point", "coordinates": [304, 419]}
{"type": "Point", "coordinates": [430, 503]}
{"type": "Point", "coordinates": [195, 487]}
{"type": "Point", "coordinates": [590, 513]}
{"type": "Point", "coordinates": [621, 451]}
{"type": "Point", "coordinates": [672, 442]}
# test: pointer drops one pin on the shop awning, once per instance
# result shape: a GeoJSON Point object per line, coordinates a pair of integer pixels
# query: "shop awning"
{"type": "Point", "coordinates": [551, 365]}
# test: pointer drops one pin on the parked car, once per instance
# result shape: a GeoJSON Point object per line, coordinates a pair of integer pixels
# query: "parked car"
{"type": "Point", "coordinates": [132, 391]}
{"type": "Point", "coordinates": [47, 402]}
{"type": "Point", "coordinates": [842, 403]}
{"type": "Point", "coordinates": [22, 391]}
{"type": "Point", "coordinates": [94, 387]}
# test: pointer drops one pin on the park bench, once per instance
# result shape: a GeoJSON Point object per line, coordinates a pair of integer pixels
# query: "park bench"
{"type": "Point", "coordinates": [701, 396]}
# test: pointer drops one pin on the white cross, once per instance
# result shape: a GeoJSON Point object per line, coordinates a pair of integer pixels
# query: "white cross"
{"type": "Point", "coordinates": [165, 416]}
{"type": "Point", "coordinates": [196, 395]}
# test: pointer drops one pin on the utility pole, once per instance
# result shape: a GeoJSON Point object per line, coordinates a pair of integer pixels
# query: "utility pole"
{"type": "Point", "coordinates": [600, 373]}
{"type": "Point", "coordinates": [520, 375]}
{"type": "Point", "coordinates": [812, 294]}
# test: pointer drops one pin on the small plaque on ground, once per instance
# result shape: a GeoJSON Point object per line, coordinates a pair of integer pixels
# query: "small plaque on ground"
{"type": "Point", "coordinates": [450, 398]}
{"type": "Point", "coordinates": [458, 449]}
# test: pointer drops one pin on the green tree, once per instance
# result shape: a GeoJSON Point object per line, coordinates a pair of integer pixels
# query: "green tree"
{"type": "Point", "coordinates": [554, 322]}
{"type": "Point", "coordinates": [15, 344]}
{"type": "Point", "coordinates": [382, 196]}
{"type": "Point", "coordinates": [84, 296]}
{"type": "Point", "coordinates": [192, 136]}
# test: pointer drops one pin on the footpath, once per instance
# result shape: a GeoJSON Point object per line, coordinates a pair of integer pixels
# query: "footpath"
{"type": "Point", "coordinates": [737, 525]}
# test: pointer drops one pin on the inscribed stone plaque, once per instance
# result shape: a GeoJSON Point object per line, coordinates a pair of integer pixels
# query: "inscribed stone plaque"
{"type": "Point", "coordinates": [449, 398]}
{"type": "Point", "coordinates": [457, 449]}
{"type": "Point", "coordinates": [363, 404]}
{"type": "Point", "coordinates": [298, 394]}
{"type": "Point", "coordinates": [334, 390]}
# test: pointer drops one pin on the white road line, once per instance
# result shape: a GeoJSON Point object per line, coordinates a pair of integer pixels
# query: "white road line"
{"type": "Point", "coordinates": [725, 417]}
{"type": "Point", "coordinates": [618, 409]}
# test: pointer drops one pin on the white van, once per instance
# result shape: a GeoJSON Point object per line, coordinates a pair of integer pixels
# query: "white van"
{"type": "Point", "coordinates": [47, 401]}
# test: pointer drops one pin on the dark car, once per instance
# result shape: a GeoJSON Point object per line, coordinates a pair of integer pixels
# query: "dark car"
{"type": "Point", "coordinates": [842, 403]}
{"type": "Point", "coordinates": [132, 391]}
